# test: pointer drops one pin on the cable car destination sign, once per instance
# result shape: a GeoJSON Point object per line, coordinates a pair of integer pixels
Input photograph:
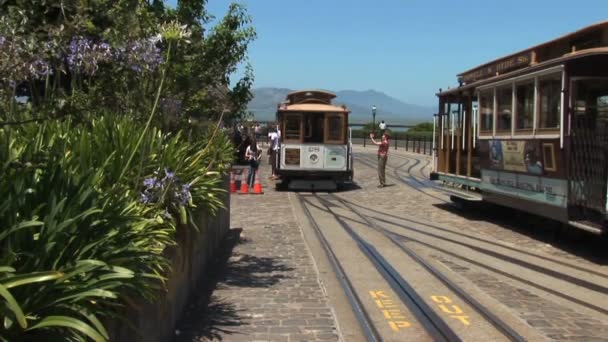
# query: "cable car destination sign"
{"type": "Point", "coordinates": [500, 67]}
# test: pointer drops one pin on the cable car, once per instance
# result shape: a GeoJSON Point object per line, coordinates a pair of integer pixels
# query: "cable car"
{"type": "Point", "coordinates": [316, 148]}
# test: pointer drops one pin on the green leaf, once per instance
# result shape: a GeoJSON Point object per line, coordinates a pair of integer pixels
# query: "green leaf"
{"type": "Point", "coordinates": [98, 325]}
{"type": "Point", "coordinates": [82, 266]}
{"type": "Point", "coordinates": [69, 322]}
{"type": "Point", "coordinates": [6, 269]}
{"type": "Point", "coordinates": [86, 294]}
{"type": "Point", "coordinates": [22, 225]}
{"type": "Point", "coordinates": [29, 278]}
{"type": "Point", "coordinates": [13, 306]}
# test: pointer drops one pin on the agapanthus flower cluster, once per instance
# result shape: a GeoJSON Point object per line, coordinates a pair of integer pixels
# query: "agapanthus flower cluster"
{"type": "Point", "coordinates": [39, 68]}
{"type": "Point", "coordinates": [174, 31]}
{"type": "Point", "coordinates": [19, 62]}
{"type": "Point", "coordinates": [165, 190]}
{"type": "Point", "coordinates": [142, 55]}
{"type": "Point", "coordinates": [85, 55]}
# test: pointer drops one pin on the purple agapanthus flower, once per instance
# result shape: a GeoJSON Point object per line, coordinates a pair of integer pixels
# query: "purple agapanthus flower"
{"type": "Point", "coordinates": [183, 196]}
{"type": "Point", "coordinates": [2, 40]}
{"type": "Point", "coordinates": [169, 176]}
{"type": "Point", "coordinates": [39, 69]}
{"type": "Point", "coordinates": [167, 189]}
{"type": "Point", "coordinates": [84, 55]}
{"type": "Point", "coordinates": [152, 183]}
{"type": "Point", "coordinates": [141, 55]}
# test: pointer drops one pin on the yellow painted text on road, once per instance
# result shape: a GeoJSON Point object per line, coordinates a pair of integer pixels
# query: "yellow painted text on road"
{"type": "Point", "coordinates": [395, 318]}
{"type": "Point", "coordinates": [447, 306]}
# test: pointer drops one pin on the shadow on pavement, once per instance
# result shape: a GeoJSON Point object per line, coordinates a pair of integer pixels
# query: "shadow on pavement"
{"type": "Point", "coordinates": [344, 187]}
{"type": "Point", "coordinates": [209, 317]}
{"type": "Point", "coordinates": [215, 321]}
{"type": "Point", "coordinates": [251, 271]}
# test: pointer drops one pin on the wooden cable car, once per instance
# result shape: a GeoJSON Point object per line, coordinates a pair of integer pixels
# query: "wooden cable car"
{"type": "Point", "coordinates": [316, 149]}
{"type": "Point", "coordinates": [530, 130]}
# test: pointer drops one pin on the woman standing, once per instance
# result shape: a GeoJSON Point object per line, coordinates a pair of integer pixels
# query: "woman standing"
{"type": "Point", "coordinates": [253, 155]}
{"type": "Point", "coordinates": [383, 146]}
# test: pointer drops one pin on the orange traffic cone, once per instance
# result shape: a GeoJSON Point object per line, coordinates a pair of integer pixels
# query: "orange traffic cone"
{"type": "Point", "coordinates": [257, 185]}
{"type": "Point", "coordinates": [244, 185]}
{"type": "Point", "coordinates": [232, 182]}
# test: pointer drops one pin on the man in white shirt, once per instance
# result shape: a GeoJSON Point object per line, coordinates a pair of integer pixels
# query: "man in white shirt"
{"type": "Point", "coordinates": [382, 126]}
{"type": "Point", "coordinates": [274, 136]}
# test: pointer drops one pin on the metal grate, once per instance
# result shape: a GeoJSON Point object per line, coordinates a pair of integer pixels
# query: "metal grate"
{"type": "Point", "coordinates": [588, 170]}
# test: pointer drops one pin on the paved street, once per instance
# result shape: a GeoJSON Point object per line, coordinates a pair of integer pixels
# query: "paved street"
{"type": "Point", "coordinates": [270, 289]}
{"type": "Point", "coordinates": [277, 284]}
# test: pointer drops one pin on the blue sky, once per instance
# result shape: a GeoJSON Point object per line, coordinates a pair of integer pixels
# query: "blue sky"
{"type": "Point", "coordinates": [405, 48]}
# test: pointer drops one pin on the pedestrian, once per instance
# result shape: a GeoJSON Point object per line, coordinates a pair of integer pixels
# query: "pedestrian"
{"type": "Point", "coordinates": [274, 136]}
{"type": "Point", "coordinates": [253, 154]}
{"type": "Point", "coordinates": [258, 131]}
{"type": "Point", "coordinates": [383, 146]}
{"type": "Point", "coordinates": [382, 126]}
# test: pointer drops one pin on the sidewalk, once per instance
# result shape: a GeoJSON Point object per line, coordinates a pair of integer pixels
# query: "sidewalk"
{"type": "Point", "coordinates": [269, 289]}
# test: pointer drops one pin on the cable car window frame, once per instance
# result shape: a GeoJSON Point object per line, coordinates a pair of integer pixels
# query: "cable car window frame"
{"type": "Point", "coordinates": [537, 132]}
{"type": "Point", "coordinates": [326, 134]}
{"type": "Point", "coordinates": [285, 133]}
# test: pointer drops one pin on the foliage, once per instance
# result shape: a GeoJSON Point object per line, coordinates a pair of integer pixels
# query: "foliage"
{"type": "Point", "coordinates": [422, 127]}
{"type": "Point", "coordinates": [110, 50]}
{"type": "Point", "coordinates": [102, 166]}
{"type": "Point", "coordinates": [422, 130]}
{"type": "Point", "coordinates": [64, 196]}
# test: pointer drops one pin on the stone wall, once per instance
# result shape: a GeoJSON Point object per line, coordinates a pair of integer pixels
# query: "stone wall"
{"type": "Point", "coordinates": [189, 260]}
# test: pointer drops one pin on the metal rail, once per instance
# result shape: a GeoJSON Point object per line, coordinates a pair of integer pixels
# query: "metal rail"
{"type": "Point", "coordinates": [368, 163]}
{"type": "Point", "coordinates": [362, 317]}
{"type": "Point", "coordinates": [559, 262]}
{"type": "Point", "coordinates": [499, 324]}
{"type": "Point", "coordinates": [432, 323]}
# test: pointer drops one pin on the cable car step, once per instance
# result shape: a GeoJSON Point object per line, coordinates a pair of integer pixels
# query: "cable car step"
{"type": "Point", "coordinates": [587, 226]}
{"type": "Point", "coordinates": [312, 185]}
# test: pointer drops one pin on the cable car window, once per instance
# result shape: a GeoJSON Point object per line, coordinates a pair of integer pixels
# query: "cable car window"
{"type": "Point", "coordinates": [335, 128]}
{"type": "Point", "coordinates": [313, 127]}
{"type": "Point", "coordinates": [549, 94]}
{"type": "Point", "coordinates": [602, 104]}
{"type": "Point", "coordinates": [525, 105]}
{"type": "Point", "coordinates": [486, 112]}
{"type": "Point", "coordinates": [504, 101]}
{"type": "Point", "coordinates": [292, 127]}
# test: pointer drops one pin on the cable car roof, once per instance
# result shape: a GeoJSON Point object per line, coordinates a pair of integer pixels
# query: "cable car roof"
{"type": "Point", "coordinates": [312, 107]}
{"type": "Point", "coordinates": [593, 36]}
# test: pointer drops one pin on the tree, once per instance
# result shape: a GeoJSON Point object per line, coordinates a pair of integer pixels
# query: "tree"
{"type": "Point", "coordinates": [39, 39]}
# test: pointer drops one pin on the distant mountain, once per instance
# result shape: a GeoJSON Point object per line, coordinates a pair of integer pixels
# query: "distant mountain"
{"type": "Point", "coordinates": [389, 109]}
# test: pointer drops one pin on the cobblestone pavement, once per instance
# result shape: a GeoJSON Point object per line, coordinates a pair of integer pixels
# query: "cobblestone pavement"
{"type": "Point", "coordinates": [269, 290]}
{"type": "Point", "coordinates": [509, 226]}
{"type": "Point", "coordinates": [553, 319]}
{"type": "Point", "coordinates": [556, 322]}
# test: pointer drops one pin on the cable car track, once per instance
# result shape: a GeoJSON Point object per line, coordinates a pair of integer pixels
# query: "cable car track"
{"type": "Point", "coordinates": [553, 260]}
{"type": "Point", "coordinates": [499, 324]}
{"type": "Point", "coordinates": [539, 269]}
{"type": "Point", "coordinates": [434, 325]}
{"type": "Point", "coordinates": [562, 263]}
{"type": "Point", "coordinates": [431, 322]}
{"type": "Point", "coordinates": [366, 324]}
{"type": "Point", "coordinates": [418, 188]}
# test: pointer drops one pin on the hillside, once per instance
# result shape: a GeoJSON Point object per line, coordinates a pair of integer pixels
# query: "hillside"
{"type": "Point", "coordinates": [390, 109]}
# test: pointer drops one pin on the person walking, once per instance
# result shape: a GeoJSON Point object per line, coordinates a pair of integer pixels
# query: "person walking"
{"type": "Point", "coordinates": [275, 137]}
{"type": "Point", "coordinates": [382, 126]}
{"type": "Point", "coordinates": [383, 146]}
{"type": "Point", "coordinates": [258, 131]}
{"type": "Point", "coordinates": [253, 154]}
